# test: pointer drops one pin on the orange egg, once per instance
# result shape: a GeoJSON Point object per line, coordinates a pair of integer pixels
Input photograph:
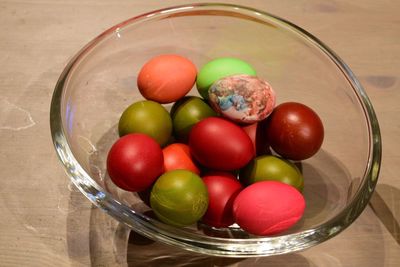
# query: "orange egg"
{"type": "Point", "coordinates": [177, 157]}
{"type": "Point", "coordinates": [166, 78]}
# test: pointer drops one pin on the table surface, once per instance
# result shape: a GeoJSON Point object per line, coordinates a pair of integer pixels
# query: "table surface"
{"type": "Point", "coordinates": [44, 221]}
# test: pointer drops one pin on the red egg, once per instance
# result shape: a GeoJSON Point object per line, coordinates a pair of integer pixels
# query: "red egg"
{"type": "Point", "coordinates": [268, 207]}
{"type": "Point", "coordinates": [219, 173]}
{"type": "Point", "coordinates": [256, 132]}
{"type": "Point", "coordinates": [177, 156]}
{"type": "Point", "coordinates": [222, 189]}
{"type": "Point", "coordinates": [220, 144]}
{"type": "Point", "coordinates": [166, 78]}
{"type": "Point", "coordinates": [295, 131]}
{"type": "Point", "coordinates": [134, 162]}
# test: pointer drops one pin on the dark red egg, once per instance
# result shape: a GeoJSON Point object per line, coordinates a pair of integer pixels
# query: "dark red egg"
{"type": "Point", "coordinates": [220, 144]}
{"type": "Point", "coordinates": [222, 189]}
{"type": "Point", "coordinates": [134, 162]}
{"type": "Point", "coordinates": [295, 131]}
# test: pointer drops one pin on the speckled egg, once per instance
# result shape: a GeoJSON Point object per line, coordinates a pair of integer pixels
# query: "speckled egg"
{"type": "Point", "coordinates": [242, 98]}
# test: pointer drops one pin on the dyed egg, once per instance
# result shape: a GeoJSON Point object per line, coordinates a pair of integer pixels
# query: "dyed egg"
{"type": "Point", "coordinates": [222, 189]}
{"type": "Point", "coordinates": [268, 168]}
{"type": "Point", "coordinates": [134, 162]}
{"type": "Point", "coordinates": [179, 198]}
{"type": "Point", "coordinates": [268, 208]}
{"type": "Point", "coordinates": [177, 156]}
{"type": "Point", "coordinates": [295, 131]}
{"type": "Point", "coordinates": [166, 78]}
{"type": "Point", "coordinates": [242, 98]}
{"type": "Point", "coordinates": [220, 144]}
{"type": "Point", "coordinates": [147, 117]}
{"type": "Point", "coordinates": [186, 112]}
{"type": "Point", "coordinates": [219, 68]}
{"type": "Point", "coordinates": [256, 132]}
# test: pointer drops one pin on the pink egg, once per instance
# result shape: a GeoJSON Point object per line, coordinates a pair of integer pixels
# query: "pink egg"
{"type": "Point", "coordinates": [268, 207]}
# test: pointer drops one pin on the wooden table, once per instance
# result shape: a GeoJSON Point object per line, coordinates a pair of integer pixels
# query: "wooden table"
{"type": "Point", "coordinates": [44, 221]}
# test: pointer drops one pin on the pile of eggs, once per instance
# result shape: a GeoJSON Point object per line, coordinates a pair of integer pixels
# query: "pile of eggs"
{"type": "Point", "coordinates": [222, 158]}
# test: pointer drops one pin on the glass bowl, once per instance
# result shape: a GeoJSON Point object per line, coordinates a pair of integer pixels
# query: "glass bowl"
{"type": "Point", "coordinates": [100, 82]}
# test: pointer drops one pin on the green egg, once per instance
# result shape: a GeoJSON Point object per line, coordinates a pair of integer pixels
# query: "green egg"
{"type": "Point", "coordinates": [219, 68]}
{"type": "Point", "coordinates": [179, 198]}
{"type": "Point", "coordinates": [267, 168]}
{"type": "Point", "coordinates": [147, 117]}
{"type": "Point", "coordinates": [187, 112]}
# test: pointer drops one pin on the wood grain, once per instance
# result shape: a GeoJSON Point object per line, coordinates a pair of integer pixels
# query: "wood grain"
{"type": "Point", "coordinates": [46, 222]}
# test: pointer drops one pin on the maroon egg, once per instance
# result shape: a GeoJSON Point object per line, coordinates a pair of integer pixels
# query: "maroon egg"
{"type": "Point", "coordinates": [268, 207]}
{"type": "Point", "coordinates": [134, 162]}
{"type": "Point", "coordinates": [295, 131]}
{"type": "Point", "coordinates": [220, 144]}
{"type": "Point", "coordinates": [222, 189]}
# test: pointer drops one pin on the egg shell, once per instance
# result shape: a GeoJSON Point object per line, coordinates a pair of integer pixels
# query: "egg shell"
{"type": "Point", "coordinates": [134, 162]}
{"type": "Point", "coordinates": [219, 68]}
{"type": "Point", "coordinates": [166, 78]}
{"type": "Point", "coordinates": [257, 134]}
{"type": "Point", "coordinates": [222, 189]}
{"type": "Point", "coordinates": [186, 112]}
{"type": "Point", "coordinates": [179, 198]}
{"type": "Point", "coordinates": [242, 98]}
{"type": "Point", "coordinates": [177, 156]}
{"type": "Point", "coordinates": [268, 208]}
{"type": "Point", "coordinates": [295, 131]}
{"type": "Point", "coordinates": [220, 144]}
{"type": "Point", "coordinates": [147, 117]}
{"type": "Point", "coordinates": [268, 168]}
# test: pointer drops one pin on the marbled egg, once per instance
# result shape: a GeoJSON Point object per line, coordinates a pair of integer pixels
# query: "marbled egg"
{"type": "Point", "coordinates": [242, 98]}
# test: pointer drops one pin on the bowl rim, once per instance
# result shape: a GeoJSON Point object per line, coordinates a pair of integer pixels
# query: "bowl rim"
{"type": "Point", "coordinates": [252, 247]}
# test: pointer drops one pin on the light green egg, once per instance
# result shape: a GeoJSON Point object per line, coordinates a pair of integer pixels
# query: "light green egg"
{"type": "Point", "coordinates": [220, 68]}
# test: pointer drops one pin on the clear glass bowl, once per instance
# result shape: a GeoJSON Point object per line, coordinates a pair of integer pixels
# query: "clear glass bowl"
{"type": "Point", "coordinates": [100, 82]}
